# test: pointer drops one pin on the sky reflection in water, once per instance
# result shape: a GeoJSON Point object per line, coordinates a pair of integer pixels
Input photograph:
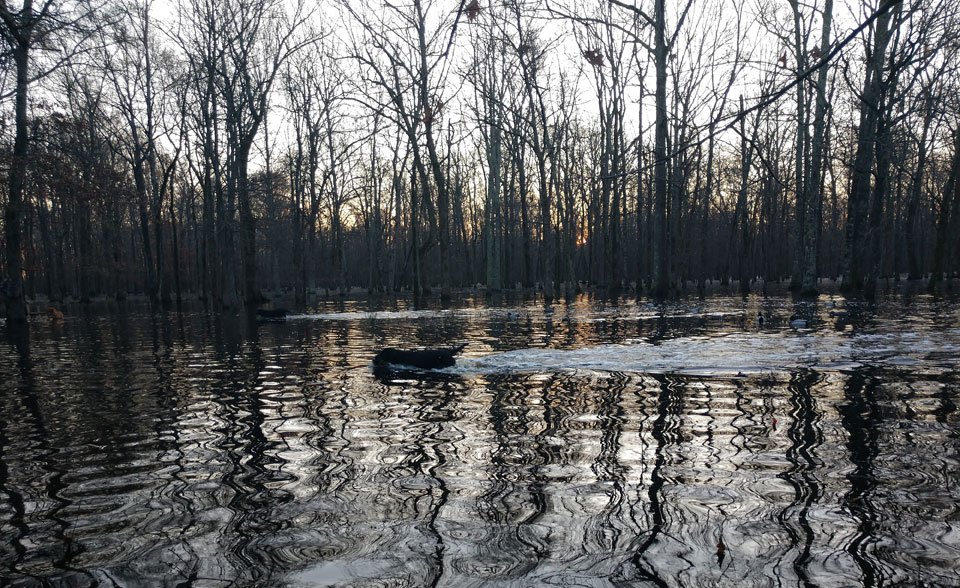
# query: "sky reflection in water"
{"type": "Point", "coordinates": [581, 444]}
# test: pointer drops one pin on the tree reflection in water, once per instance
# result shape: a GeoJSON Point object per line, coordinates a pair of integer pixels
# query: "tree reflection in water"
{"type": "Point", "coordinates": [181, 450]}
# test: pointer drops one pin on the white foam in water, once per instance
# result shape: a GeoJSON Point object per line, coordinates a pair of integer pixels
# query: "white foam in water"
{"type": "Point", "coordinates": [740, 353]}
{"type": "Point", "coordinates": [382, 315]}
{"type": "Point", "coordinates": [720, 355]}
{"type": "Point", "coordinates": [580, 316]}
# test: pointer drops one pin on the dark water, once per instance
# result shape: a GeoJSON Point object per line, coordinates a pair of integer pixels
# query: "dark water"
{"type": "Point", "coordinates": [580, 444]}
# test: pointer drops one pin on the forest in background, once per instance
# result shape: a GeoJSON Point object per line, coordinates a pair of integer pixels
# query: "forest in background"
{"type": "Point", "coordinates": [220, 149]}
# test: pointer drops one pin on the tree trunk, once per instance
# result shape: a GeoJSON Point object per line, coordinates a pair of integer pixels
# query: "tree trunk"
{"type": "Point", "coordinates": [813, 198]}
{"type": "Point", "coordinates": [741, 214]}
{"type": "Point", "coordinates": [915, 193]}
{"type": "Point", "coordinates": [641, 201]}
{"type": "Point", "coordinates": [116, 250]}
{"type": "Point", "coordinates": [493, 231]}
{"type": "Point", "coordinates": [248, 227]}
{"type": "Point", "coordinates": [801, 193]}
{"type": "Point", "coordinates": [84, 254]}
{"type": "Point", "coordinates": [13, 215]}
{"type": "Point", "coordinates": [880, 194]}
{"type": "Point", "coordinates": [660, 278]}
{"type": "Point", "coordinates": [524, 214]}
{"type": "Point", "coordinates": [176, 247]}
{"type": "Point", "coordinates": [297, 193]}
{"type": "Point", "coordinates": [52, 279]}
{"type": "Point", "coordinates": [951, 192]}
{"type": "Point", "coordinates": [415, 233]}
{"type": "Point", "coordinates": [226, 226]}
{"type": "Point", "coordinates": [855, 233]}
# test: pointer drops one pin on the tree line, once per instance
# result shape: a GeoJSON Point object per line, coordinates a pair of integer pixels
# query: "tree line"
{"type": "Point", "coordinates": [221, 149]}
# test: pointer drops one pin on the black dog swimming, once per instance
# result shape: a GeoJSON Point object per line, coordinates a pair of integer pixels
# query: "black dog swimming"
{"type": "Point", "coordinates": [277, 314]}
{"type": "Point", "coordinates": [427, 359]}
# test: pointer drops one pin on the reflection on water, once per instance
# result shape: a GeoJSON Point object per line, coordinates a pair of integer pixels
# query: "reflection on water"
{"type": "Point", "coordinates": [583, 444]}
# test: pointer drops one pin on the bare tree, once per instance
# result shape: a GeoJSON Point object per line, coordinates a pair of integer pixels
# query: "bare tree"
{"type": "Point", "coordinates": [813, 186]}
{"type": "Point", "coordinates": [141, 72]}
{"type": "Point", "coordinates": [403, 50]}
{"type": "Point", "coordinates": [856, 238]}
{"type": "Point", "coordinates": [47, 25]}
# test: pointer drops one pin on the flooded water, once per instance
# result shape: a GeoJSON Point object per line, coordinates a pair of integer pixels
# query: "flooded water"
{"type": "Point", "coordinates": [587, 443]}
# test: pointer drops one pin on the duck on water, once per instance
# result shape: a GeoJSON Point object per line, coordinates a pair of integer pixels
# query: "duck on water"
{"type": "Point", "coordinates": [428, 359]}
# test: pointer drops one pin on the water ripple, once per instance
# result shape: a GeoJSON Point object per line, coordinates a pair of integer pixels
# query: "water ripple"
{"type": "Point", "coordinates": [581, 444]}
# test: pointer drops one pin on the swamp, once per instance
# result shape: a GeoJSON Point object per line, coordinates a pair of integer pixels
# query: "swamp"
{"type": "Point", "coordinates": [586, 442]}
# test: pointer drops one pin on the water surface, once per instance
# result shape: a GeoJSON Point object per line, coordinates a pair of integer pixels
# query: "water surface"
{"type": "Point", "coordinates": [589, 443]}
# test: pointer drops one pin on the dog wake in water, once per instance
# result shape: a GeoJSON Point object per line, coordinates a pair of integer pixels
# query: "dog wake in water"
{"type": "Point", "coordinates": [428, 359]}
{"type": "Point", "coordinates": [277, 314]}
